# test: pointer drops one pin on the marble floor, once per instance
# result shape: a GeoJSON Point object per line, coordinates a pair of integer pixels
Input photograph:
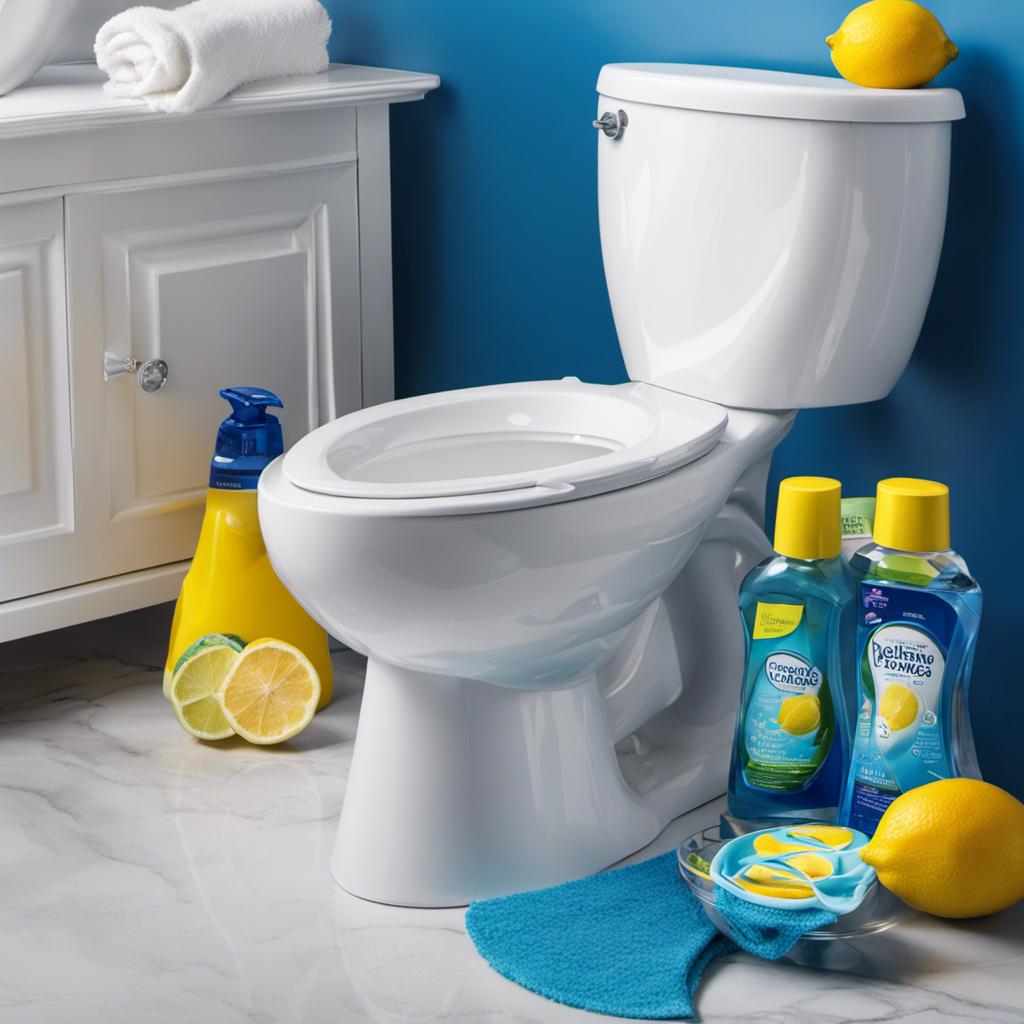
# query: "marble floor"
{"type": "Point", "coordinates": [147, 877]}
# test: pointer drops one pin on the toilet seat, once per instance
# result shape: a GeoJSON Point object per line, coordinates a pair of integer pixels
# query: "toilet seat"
{"type": "Point", "coordinates": [547, 440]}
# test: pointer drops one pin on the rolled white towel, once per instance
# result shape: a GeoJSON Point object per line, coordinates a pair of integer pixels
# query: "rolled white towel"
{"type": "Point", "coordinates": [185, 59]}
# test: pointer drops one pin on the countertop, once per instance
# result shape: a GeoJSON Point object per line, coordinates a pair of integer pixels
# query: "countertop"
{"type": "Point", "coordinates": [148, 877]}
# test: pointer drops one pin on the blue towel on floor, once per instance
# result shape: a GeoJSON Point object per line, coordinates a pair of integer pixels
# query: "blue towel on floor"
{"type": "Point", "coordinates": [767, 932]}
{"type": "Point", "coordinates": [630, 943]}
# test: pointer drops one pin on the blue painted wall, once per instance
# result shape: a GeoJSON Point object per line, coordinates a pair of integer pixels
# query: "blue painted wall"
{"type": "Point", "coordinates": [497, 260]}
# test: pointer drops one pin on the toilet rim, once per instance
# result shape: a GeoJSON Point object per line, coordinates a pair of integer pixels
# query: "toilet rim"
{"type": "Point", "coordinates": [504, 445]}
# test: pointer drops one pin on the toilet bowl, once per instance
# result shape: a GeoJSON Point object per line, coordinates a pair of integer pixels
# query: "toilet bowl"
{"type": "Point", "coordinates": [544, 575]}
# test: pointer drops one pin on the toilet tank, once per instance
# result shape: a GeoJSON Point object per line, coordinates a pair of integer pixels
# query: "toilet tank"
{"type": "Point", "coordinates": [770, 240]}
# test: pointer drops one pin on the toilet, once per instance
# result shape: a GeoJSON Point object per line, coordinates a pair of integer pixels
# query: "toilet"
{"type": "Point", "coordinates": [544, 575]}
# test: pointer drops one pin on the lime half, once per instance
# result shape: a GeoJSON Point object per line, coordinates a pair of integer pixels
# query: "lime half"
{"type": "Point", "coordinates": [236, 643]}
{"type": "Point", "coordinates": [194, 689]}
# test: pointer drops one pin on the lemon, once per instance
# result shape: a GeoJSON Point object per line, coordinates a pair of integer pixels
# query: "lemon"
{"type": "Point", "coordinates": [898, 706]}
{"type": "Point", "coordinates": [953, 848]}
{"type": "Point", "coordinates": [270, 693]}
{"type": "Point", "coordinates": [813, 865]}
{"type": "Point", "coordinates": [836, 836]}
{"type": "Point", "coordinates": [194, 688]}
{"type": "Point", "coordinates": [800, 715]}
{"type": "Point", "coordinates": [768, 846]}
{"type": "Point", "coordinates": [890, 44]}
{"type": "Point", "coordinates": [767, 881]}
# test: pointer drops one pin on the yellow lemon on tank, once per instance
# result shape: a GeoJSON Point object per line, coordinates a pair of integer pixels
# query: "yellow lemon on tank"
{"type": "Point", "coordinates": [800, 715]}
{"type": "Point", "coordinates": [890, 44]}
{"type": "Point", "coordinates": [898, 706]}
{"type": "Point", "coordinates": [952, 848]}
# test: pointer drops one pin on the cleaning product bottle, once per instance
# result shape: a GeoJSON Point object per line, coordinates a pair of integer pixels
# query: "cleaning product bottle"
{"type": "Point", "coordinates": [793, 723]}
{"type": "Point", "coordinates": [231, 586]}
{"type": "Point", "coordinates": [918, 619]}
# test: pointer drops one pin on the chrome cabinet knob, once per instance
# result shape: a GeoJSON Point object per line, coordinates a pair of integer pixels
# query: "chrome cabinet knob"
{"type": "Point", "coordinates": [613, 125]}
{"type": "Point", "coordinates": [152, 374]}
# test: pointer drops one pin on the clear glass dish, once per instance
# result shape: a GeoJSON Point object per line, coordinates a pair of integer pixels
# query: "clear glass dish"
{"type": "Point", "coordinates": [879, 911]}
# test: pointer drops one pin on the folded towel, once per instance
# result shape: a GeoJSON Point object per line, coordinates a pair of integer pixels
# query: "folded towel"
{"type": "Point", "coordinates": [769, 932]}
{"type": "Point", "coordinates": [629, 943]}
{"type": "Point", "coordinates": [185, 59]}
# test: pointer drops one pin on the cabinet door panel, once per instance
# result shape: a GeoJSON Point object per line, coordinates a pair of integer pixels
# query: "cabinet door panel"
{"type": "Point", "coordinates": [35, 453]}
{"type": "Point", "coordinates": [234, 281]}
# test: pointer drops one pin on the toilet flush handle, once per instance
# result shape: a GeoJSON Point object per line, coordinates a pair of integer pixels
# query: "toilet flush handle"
{"type": "Point", "coordinates": [612, 124]}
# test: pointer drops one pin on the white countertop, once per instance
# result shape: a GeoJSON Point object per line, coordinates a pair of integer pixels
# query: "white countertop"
{"type": "Point", "coordinates": [68, 97]}
{"type": "Point", "coordinates": [147, 877]}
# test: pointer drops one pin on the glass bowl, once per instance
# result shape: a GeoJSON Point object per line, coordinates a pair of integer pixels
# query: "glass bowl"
{"type": "Point", "coordinates": [879, 911]}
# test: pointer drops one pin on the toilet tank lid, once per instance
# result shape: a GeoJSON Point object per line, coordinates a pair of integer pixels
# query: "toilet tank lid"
{"type": "Point", "coordinates": [774, 94]}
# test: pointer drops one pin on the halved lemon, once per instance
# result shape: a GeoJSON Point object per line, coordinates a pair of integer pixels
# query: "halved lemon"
{"type": "Point", "coordinates": [194, 688]}
{"type": "Point", "coordinates": [898, 706]}
{"type": "Point", "coordinates": [270, 693]}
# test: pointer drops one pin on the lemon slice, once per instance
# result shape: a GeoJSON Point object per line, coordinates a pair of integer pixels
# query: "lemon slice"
{"type": "Point", "coordinates": [898, 706]}
{"type": "Point", "coordinates": [194, 688]}
{"type": "Point", "coordinates": [210, 640]}
{"type": "Point", "coordinates": [769, 846]}
{"type": "Point", "coordinates": [271, 692]}
{"type": "Point", "coordinates": [766, 881]}
{"type": "Point", "coordinates": [834, 836]}
{"type": "Point", "coordinates": [813, 865]}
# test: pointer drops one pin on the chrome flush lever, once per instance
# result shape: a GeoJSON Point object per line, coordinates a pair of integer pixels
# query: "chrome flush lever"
{"type": "Point", "coordinates": [613, 125]}
{"type": "Point", "coordinates": [152, 373]}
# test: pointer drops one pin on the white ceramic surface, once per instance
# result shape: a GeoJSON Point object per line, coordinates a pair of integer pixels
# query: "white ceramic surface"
{"type": "Point", "coordinates": [511, 649]}
{"type": "Point", "coordinates": [770, 262]}
{"type": "Point", "coordinates": [544, 440]}
{"type": "Point", "coordinates": [147, 878]}
{"type": "Point", "coordinates": [30, 31]}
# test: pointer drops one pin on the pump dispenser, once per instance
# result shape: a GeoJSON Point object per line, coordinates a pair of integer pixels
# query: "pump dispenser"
{"type": "Point", "coordinates": [793, 724]}
{"type": "Point", "coordinates": [231, 586]}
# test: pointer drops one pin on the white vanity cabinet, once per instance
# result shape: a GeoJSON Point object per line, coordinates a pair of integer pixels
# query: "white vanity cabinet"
{"type": "Point", "coordinates": [245, 244]}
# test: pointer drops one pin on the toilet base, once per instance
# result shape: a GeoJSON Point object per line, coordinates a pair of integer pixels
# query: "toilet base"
{"type": "Point", "coordinates": [460, 790]}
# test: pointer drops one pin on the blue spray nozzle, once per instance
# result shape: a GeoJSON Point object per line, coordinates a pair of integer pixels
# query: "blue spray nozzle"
{"type": "Point", "coordinates": [247, 441]}
{"type": "Point", "coordinates": [250, 404]}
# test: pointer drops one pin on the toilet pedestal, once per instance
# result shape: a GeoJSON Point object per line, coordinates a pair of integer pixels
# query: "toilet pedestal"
{"type": "Point", "coordinates": [461, 790]}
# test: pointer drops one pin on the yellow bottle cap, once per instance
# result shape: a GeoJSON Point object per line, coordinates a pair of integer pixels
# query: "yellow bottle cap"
{"type": "Point", "coordinates": [807, 520]}
{"type": "Point", "coordinates": [912, 515]}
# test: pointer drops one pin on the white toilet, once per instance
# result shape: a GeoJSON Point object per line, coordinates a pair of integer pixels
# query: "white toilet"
{"type": "Point", "coordinates": [544, 575]}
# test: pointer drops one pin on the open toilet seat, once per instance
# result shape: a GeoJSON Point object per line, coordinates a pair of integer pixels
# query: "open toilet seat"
{"type": "Point", "coordinates": [547, 441]}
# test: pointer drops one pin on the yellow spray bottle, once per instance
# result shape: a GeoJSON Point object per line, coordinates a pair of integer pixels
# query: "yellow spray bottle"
{"type": "Point", "coordinates": [231, 587]}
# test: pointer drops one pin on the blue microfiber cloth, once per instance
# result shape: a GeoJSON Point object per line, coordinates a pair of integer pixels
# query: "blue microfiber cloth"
{"type": "Point", "coordinates": [768, 932]}
{"type": "Point", "coordinates": [628, 943]}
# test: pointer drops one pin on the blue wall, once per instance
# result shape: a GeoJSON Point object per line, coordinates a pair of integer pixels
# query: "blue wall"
{"type": "Point", "coordinates": [497, 259]}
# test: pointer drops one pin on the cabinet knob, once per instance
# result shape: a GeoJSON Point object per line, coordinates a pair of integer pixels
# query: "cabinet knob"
{"type": "Point", "coordinates": [152, 373]}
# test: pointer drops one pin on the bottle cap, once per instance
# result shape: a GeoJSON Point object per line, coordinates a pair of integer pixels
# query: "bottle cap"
{"type": "Point", "coordinates": [807, 520]}
{"type": "Point", "coordinates": [912, 515]}
{"type": "Point", "coordinates": [247, 441]}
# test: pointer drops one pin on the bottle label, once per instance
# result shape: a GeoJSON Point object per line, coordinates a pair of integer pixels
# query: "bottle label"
{"type": "Point", "coordinates": [776, 620]}
{"type": "Point", "coordinates": [788, 721]}
{"type": "Point", "coordinates": [900, 742]}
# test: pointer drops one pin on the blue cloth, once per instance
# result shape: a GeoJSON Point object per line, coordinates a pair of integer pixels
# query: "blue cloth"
{"type": "Point", "coordinates": [768, 932]}
{"type": "Point", "coordinates": [629, 943]}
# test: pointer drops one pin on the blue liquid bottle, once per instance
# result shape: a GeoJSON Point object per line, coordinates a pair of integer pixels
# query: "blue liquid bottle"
{"type": "Point", "coordinates": [919, 611]}
{"type": "Point", "coordinates": [793, 725]}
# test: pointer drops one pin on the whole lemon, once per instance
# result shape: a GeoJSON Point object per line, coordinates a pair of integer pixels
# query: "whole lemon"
{"type": "Point", "coordinates": [953, 848]}
{"type": "Point", "coordinates": [890, 44]}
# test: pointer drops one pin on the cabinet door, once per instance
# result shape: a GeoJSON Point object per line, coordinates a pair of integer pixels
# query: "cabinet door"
{"type": "Point", "coordinates": [242, 281]}
{"type": "Point", "coordinates": [37, 514]}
